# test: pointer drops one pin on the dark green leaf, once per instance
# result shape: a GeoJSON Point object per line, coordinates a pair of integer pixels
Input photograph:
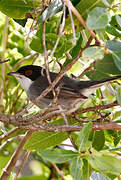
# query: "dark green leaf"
{"type": "Point", "coordinates": [104, 68]}
{"type": "Point", "coordinates": [99, 140]}
{"type": "Point", "coordinates": [63, 45]}
{"type": "Point", "coordinates": [36, 44]}
{"type": "Point", "coordinates": [43, 140]}
{"type": "Point", "coordinates": [113, 45]}
{"type": "Point", "coordinates": [53, 8]}
{"type": "Point", "coordinates": [114, 22]}
{"type": "Point", "coordinates": [57, 155]}
{"type": "Point", "coordinates": [107, 65]}
{"type": "Point", "coordinates": [97, 18]}
{"type": "Point", "coordinates": [83, 139]}
{"type": "Point", "coordinates": [22, 22]}
{"type": "Point", "coordinates": [113, 31]}
{"type": "Point", "coordinates": [117, 59]}
{"type": "Point", "coordinates": [18, 9]}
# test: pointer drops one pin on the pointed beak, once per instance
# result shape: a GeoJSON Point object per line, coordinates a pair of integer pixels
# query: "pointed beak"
{"type": "Point", "coordinates": [12, 73]}
{"type": "Point", "coordinates": [15, 74]}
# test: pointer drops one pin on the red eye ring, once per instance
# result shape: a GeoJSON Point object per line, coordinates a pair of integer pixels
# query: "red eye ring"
{"type": "Point", "coordinates": [28, 72]}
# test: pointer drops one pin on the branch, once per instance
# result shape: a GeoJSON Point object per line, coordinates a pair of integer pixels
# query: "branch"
{"type": "Point", "coordinates": [4, 61]}
{"type": "Point", "coordinates": [60, 32]}
{"type": "Point", "coordinates": [15, 157]}
{"type": "Point", "coordinates": [95, 108]}
{"type": "Point", "coordinates": [45, 115]}
{"type": "Point", "coordinates": [72, 22]}
{"type": "Point", "coordinates": [79, 17]}
{"type": "Point", "coordinates": [71, 128]}
{"type": "Point", "coordinates": [22, 163]}
{"type": "Point", "coordinates": [34, 55]}
{"type": "Point", "coordinates": [6, 136]}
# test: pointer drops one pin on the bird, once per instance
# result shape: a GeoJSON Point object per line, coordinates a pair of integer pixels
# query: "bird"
{"type": "Point", "coordinates": [72, 93]}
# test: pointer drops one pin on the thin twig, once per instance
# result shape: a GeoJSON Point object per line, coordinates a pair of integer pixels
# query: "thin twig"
{"type": "Point", "coordinates": [79, 17]}
{"type": "Point", "coordinates": [35, 55]}
{"type": "Point", "coordinates": [22, 163]}
{"type": "Point", "coordinates": [66, 122]}
{"type": "Point", "coordinates": [72, 140]}
{"type": "Point", "coordinates": [4, 45]}
{"type": "Point", "coordinates": [6, 136]}
{"type": "Point", "coordinates": [4, 61]}
{"type": "Point", "coordinates": [63, 115]}
{"type": "Point", "coordinates": [46, 58]}
{"type": "Point", "coordinates": [72, 22]}
{"type": "Point", "coordinates": [58, 171]}
{"type": "Point", "coordinates": [6, 143]}
{"type": "Point", "coordinates": [92, 120]}
{"type": "Point", "coordinates": [45, 54]}
{"type": "Point", "coordinates": [15, 157]}
{"type": "Point", "coordinates": [60, 31]}
{"type": "Point", "coordinates": [106, 106]}
{"type": "Point", "coordinates": [116, 5]}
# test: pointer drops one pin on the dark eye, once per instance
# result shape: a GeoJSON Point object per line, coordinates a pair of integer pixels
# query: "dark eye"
{"type": "Point", "coordinates": [28, 72]}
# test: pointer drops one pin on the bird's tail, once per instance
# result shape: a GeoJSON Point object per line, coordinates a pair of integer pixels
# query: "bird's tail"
{"type": "Point", "coordinates": [102, 81]}
{"type": "Point", "coordinates": [87, 87]}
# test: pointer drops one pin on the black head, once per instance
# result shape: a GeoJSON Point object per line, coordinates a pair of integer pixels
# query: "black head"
{"type": "Point", "coordinates": [30, 71]}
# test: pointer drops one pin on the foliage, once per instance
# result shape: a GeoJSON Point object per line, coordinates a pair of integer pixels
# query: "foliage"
{"type": "Point", "coordinates": [91, 154]}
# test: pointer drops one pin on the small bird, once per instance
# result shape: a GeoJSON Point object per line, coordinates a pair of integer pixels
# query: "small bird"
{"type": "Point", "coordinates": [72, 93]}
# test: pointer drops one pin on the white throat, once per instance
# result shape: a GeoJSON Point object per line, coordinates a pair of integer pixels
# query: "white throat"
{"type": "Point", "coordinates": [25, 82]}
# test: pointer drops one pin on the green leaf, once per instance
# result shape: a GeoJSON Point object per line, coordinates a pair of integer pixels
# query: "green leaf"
{"type": "Point", "coordinates": [18, 9]}
{"type": "Point", "coordinates": [85, 6]}
{"type": "Point", "coordinates": [93, 52]}
{"type": "Point", "coordinates": [36, 44]}
{"type": "Point", "coordinates": [117, 59]}
{"type": "Point", "coordinates": [63, 46]}
{"type": "Point", "coordinates": [104, 68]}
{"type": "Point", "coordinates": [115, 21]}
{"type": "Point", "coordinates": [107, 65]}
{"type": "Point", "coordinates": [113, 31]}
{"type": "Point", "coordinates": [80, 169]}
{"type": "Point", "coordinates": [113, 45]}
{"type": "Point", "coordinates": [4, 158]}
{"type": "Point", "coordinates": [83, 138]}
{"type": "Point", "coordinates": [118, 94]}
{"type": "Point", "coordinates": [76, 168]}
{"type": "Point", "coordinates": [104, 162]}
{"type": "Point", "coordinates": [57, 155]}
{"type": "Point", "coordinates": [98, 140]}
{"type": "Point", "coordinates": [97, 18]}
{"type": "Point", "coordinates": [52, 9]}
{"type": "Point", "coordinates": [43, 140]}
